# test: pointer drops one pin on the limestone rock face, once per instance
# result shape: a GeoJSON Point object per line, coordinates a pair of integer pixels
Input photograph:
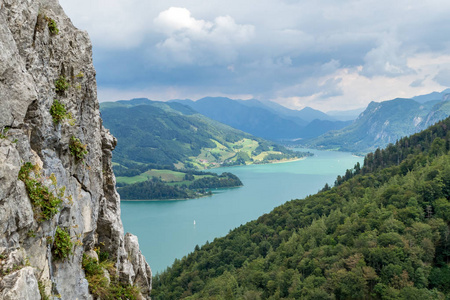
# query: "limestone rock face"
{"type": "Point", "coordinates": [20, 285]}
{"type": "Point", "coordinates": [33, 57]}
{"type": "Point", "coordinates": [143, 274]}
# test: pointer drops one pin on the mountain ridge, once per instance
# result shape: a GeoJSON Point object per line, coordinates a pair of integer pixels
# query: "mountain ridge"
{"type": "Point", "coordinates": [255, 120]}
{"type": "Point", "coordinates": [265, 119]}
{"type": "Point", "coordinates": [383, 123]}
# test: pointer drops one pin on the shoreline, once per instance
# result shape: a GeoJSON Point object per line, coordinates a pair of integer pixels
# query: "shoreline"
{"type": "Point", "coordinates": [181, 199]}
{"type": "Point", "coordinates": [185, 199]}
{"type": "Point", "coordinates": [154, 200]}
{"type": "Point", "coordinates": [286, 161]}
{"type": "Point", "coordinates": [260, 163]}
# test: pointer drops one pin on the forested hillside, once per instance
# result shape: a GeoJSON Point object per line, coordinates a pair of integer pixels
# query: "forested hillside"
{"type": "Point", "coordinates": [381, 233]}
{"type": "Point", "coordinates": [152, 132]}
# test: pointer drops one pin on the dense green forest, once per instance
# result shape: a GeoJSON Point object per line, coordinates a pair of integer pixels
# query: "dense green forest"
{"type": "Point", "coordinates": [382, 232]}
{"type": "Point", "coordinates": [190, 187]}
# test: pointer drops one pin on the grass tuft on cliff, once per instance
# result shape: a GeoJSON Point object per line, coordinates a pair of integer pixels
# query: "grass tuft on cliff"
{"type": "Point", "coordinates": [103, 280]}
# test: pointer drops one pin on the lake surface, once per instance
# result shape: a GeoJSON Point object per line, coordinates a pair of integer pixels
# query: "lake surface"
{"type": "Point", "coordinates": [166, 229]}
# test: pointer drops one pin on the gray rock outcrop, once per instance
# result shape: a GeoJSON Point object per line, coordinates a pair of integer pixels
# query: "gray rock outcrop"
{"type": "Point", "coordinates": [33, 57]}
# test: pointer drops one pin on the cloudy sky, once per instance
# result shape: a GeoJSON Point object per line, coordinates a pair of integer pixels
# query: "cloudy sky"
{"type": "Point", "coordinates": [326, 54]}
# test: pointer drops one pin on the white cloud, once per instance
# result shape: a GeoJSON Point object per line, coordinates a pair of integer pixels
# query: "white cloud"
{"type": "Point", "coordinates": [357, 89]}
{"type": "Point", "coordinates": [178, 18]}
{"type": "Point", "coordinates": [190, 41]}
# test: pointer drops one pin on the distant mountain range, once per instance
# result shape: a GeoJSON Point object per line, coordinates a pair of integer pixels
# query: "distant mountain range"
{"type": "Point", "coordinates": [255, 120]}
{"type": "Point", "coordinates": [268, 120]}
{"type": "Point", "coordinates": [170, 133]}
{"type": "Point", "coordinates": [319, 127]}
{"type": "Point", "coordinates": [386, 122]}
{"type": "Point", "coordinates": [379, 124]}
{"type": "Point", "coordinates": [306, 114]}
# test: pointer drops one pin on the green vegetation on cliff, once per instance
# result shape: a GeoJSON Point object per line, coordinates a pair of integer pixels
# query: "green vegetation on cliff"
{"type": "Point", "coordinates": [381, 233]}
{"type": "Point", "coordinates": [103, 276]}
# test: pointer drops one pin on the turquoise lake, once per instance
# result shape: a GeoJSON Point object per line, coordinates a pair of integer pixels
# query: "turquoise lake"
{"type": "Point", "coordinates": [166, 229]}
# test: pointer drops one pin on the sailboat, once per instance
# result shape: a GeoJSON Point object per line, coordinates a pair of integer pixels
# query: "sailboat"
{"type": "Point", "coordinates": [194, 222]}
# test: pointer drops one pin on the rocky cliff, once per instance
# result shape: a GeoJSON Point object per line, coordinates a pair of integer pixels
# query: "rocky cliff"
{"type": "Point", "coordinates": [59, 210]}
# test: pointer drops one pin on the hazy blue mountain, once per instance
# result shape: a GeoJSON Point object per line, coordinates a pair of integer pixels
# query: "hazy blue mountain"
{"type": "Point", "coordinates": [432, 96]}
{"type": "Point", "coordinates": [254, 119]}
{"type": "Point", "coordinates": [310, 114]}
{"type": "Point", "coordinates": [319, 127]}
{"type": "Point", "coordinates": [384, 123]}
{"type": "Point", "coordinates": [265, 119]}
{"type": "Point", "coordinates": [125, 103]}
{"type": "Point", "coordinates": [306, 114]}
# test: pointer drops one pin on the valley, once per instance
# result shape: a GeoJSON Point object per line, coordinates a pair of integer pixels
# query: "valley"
{"type": "Point", "coordinates": [266, 119]}
{"type": "Point", "coordinates": [172, 134]}
{"type": "Point", "coordinates": [293, 150]}
{"type": "Point", "coordinates": [162, 143]}
{"type": "Point", "coordinates": [170, 233]}
{"type": "Point", "coordinates": [162, 146]}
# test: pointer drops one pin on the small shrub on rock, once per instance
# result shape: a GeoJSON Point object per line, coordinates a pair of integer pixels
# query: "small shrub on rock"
{"type": "Point", "coordinates": [62, 245]}
{"type": "Point", "coordinates": [46, 202]}
{"type": "Point", "coordinates": [77, 148]}
{"type": "Point", "coordinates": [61, 84]}
{"type": "Point", "coordinates": [58, 112]}
{"type": "Point", "coordinates": [104, 287]}
{"type": "Point", "coordinates": [52, 27]}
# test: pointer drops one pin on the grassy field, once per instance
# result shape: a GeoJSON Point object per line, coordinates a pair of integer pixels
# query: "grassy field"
{"type": "Point", "coordinates": [164, 175]}
{"type": "Point", "coordinates": [187, 182]}
{"type": "Point", "coordinates": [262, 155]}
{"type": "Point", "coordinates": [213, 157]}
{"type": "Point", "coordinates": [131, 180]}
{"type": "Point", "coordinates": [168, 176]}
